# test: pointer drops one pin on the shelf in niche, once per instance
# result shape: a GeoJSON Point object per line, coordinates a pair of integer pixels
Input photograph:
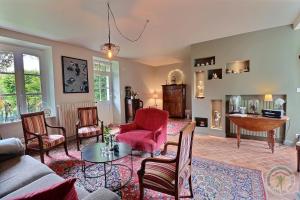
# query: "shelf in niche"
{"type": "Point", "coordinates": [237, 67]}
{"type": "Point", "coordinates": [199, 84]}
{"type": "Point", "coordinates": [216, 114]}
{"type": "Point", "coordinates": [207, 61]}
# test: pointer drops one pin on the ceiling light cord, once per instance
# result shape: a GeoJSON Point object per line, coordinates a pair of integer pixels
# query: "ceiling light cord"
{"type": "Point", "coordinates": [123, 35]}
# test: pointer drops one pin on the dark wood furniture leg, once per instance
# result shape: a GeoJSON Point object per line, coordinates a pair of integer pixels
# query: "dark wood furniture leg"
{"type": "Point", "coordinates": [272, 139]}
{"type": "Point", "coordinates": [238, 136]}
{"type": "Point", "coordinates": [298, 158]}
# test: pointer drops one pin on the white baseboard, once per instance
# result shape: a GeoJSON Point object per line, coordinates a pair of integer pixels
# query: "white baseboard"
{"type": "Point", "coordinates": [289, 143]}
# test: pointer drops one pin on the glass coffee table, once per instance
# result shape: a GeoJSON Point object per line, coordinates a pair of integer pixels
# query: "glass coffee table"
{"type": "Point", "coordinates": [99, 153]}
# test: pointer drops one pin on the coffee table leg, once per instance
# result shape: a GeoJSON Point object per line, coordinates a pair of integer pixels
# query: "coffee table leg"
{"type": "Point", "coordinates": [105, 183]}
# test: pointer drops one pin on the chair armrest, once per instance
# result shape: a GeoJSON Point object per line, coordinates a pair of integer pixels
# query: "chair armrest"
{"type": "Point", "coordinates": [10, 148]}
{"type": "Point", "coordinates": [127, 127]}
{"type": "Point", "coordinates": [157, 132]}
{"type": "Point", "coordinates": [58, 127]}
{"type": "Point", "coordinates": [156, 160]}
{"type": "Point", "coordinates": [77, 123]}
{"type": "Point", "coordinates": [166, 147]}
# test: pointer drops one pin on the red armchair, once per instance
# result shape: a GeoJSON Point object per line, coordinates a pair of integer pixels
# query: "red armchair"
{"type": "Point", "coordinates": [147, 132]}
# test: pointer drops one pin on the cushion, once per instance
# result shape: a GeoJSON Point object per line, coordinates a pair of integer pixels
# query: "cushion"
{"type": "Point", "coordinates": [298, 144]}
{"type": "Point", "coordinates": [89, 131]}
{"type": "Point", "coordinates": [160, 175]}
{"type": "Point", "coordinates": [43, 182]}
{"type": "Point", "coordinates": [138, 139]}
{"type": "Point", "coordinates": [14, 173]}
{"type": "Point", "coordinates": [48, 141]}
{"type": "Point", "coordinates": [60, 191]}
{"type": "Point", "coordinates": [10, 147]}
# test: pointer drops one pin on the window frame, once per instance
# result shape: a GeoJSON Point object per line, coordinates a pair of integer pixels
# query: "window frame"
{"type": "Point", "coordinates": [107, 73]}
{"type": "Point", "coordinates": [19, 72]}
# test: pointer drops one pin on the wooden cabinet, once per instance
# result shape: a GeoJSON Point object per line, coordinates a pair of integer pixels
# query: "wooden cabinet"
{"type": "Point", "coordinates": [174, 100]}
{"type": "Point", "coordinates": [131, 106]}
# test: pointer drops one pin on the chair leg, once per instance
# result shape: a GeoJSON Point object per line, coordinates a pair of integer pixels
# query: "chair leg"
{"type": "Point", "coordinates": [152, 154]}
{"type": "Point", "coordinates": [42, 157]}
{"type": "Point", "coordinates": [176, 196]}
{"type": "Point", "coordinates": [47, 153]}
{"type": "Point", "coordinates": [98, 138]}
{"type": "Point", "coordinates": [78, 148]}
{"type": "Point", "coordinates": [141, 188]}
{"type": "Point", "coordinates": [191, 187]}
{"type": "Point", "coordinates": [66, 149]}
{"type": "Point", "coordinates": [80, 141]}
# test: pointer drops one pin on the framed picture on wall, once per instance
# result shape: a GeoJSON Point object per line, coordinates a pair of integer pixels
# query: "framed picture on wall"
{"type": "Point", "coordinates": [75, 75]}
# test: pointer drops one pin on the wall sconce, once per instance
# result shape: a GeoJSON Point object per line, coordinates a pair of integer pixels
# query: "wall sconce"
{"type": "Point", "coordinates": [268, 97]}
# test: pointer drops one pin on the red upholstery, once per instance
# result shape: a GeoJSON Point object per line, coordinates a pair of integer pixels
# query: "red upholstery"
{"type": "Point", "coordinates": [61, 191]}
{"type": "Point", "coordinates": [148, 131]}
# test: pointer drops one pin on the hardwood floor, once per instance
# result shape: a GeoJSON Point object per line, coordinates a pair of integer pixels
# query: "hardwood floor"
{"type": "Point", "coordinates": [252, 154]}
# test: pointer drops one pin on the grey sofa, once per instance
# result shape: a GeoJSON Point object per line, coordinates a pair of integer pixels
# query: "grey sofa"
{"type": "Point", "coordinates": [21, 174]}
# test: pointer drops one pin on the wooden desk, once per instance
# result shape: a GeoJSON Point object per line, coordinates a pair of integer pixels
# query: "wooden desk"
{"type": "Point", "coordinates": [257, 123]}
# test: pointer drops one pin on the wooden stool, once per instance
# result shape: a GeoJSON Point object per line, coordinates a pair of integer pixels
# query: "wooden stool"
{"type": "Point", "coordinates": [298, 155]}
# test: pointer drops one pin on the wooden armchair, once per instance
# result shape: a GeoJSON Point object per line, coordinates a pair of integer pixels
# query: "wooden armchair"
{"type": "Point", "coordinates": [87, 125]}
{"type": "Point", "coordinates": [36, 134]}
{"type": "Point", "coordinates": [168, 175]}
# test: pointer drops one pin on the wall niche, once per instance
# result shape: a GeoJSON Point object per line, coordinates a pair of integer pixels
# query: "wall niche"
{"type": "Point", "coordinates": [237, 67]}
{"type": "Point", "coordinates": [199, 84]}
{"type": "Point", "coordinates": [216, 114]}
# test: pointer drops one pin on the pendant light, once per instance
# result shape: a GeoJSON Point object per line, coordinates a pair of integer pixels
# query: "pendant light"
{"type": "Point", "coordinates": [110, 49]}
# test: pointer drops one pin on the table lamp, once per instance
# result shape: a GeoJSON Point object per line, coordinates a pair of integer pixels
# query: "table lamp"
{"type": "Point", "coordinates": [268, 97]}
{"type": "Point", "coordinates": [155, 97]}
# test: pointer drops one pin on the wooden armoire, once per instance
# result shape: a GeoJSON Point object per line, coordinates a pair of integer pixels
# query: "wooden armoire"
{"type": "Point", "coordinates": [174, 100]}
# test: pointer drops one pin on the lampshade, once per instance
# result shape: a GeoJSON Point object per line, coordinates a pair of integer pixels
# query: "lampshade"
{"type": "Point", "coordinates": [110, 50]}
{"type": "Point", "coordinates": [155, 95]}
{"type": "Point", "coordinates": [268, 97]}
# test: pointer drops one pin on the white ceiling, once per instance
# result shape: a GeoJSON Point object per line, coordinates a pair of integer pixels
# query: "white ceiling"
{"type": "Point", "coordinates": [174, 24]}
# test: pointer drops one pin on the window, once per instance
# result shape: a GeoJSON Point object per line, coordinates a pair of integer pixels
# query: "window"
{"type": "Point", "coordinates": [102, 76]}
{"type": "Point", "coordinates": [20, 85]}
{"type": "Point", "coordinates": [33, 91]}
{"type": "Point", "coordinates": [8, 96]}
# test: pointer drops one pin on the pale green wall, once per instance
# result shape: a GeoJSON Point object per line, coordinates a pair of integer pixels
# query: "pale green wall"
{"type": "Point", "coordinates": [274, 68]}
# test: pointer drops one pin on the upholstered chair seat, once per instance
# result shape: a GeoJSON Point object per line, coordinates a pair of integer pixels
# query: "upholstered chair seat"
{"type": "Point", "coordinates": [36, 134]}
{"type": "Point", "coordinates": [87, 125]}
{"type": "Point", "coordinates": [48, 141]}
{"type": "Point", "coordinates": [89, 131]}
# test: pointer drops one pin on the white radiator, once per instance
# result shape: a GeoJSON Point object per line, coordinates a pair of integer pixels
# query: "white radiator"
{"type": "Point", "coordinates": [67, 115]}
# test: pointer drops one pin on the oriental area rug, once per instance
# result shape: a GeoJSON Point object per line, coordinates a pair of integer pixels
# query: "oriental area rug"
{"type": "Point", "coordinates": [211, 179]}
{"type": "Point", "coordinates": [174, 126]}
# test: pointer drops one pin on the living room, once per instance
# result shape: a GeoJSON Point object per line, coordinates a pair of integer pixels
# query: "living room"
{"type": "Point", "coordinates": [223, 74]}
